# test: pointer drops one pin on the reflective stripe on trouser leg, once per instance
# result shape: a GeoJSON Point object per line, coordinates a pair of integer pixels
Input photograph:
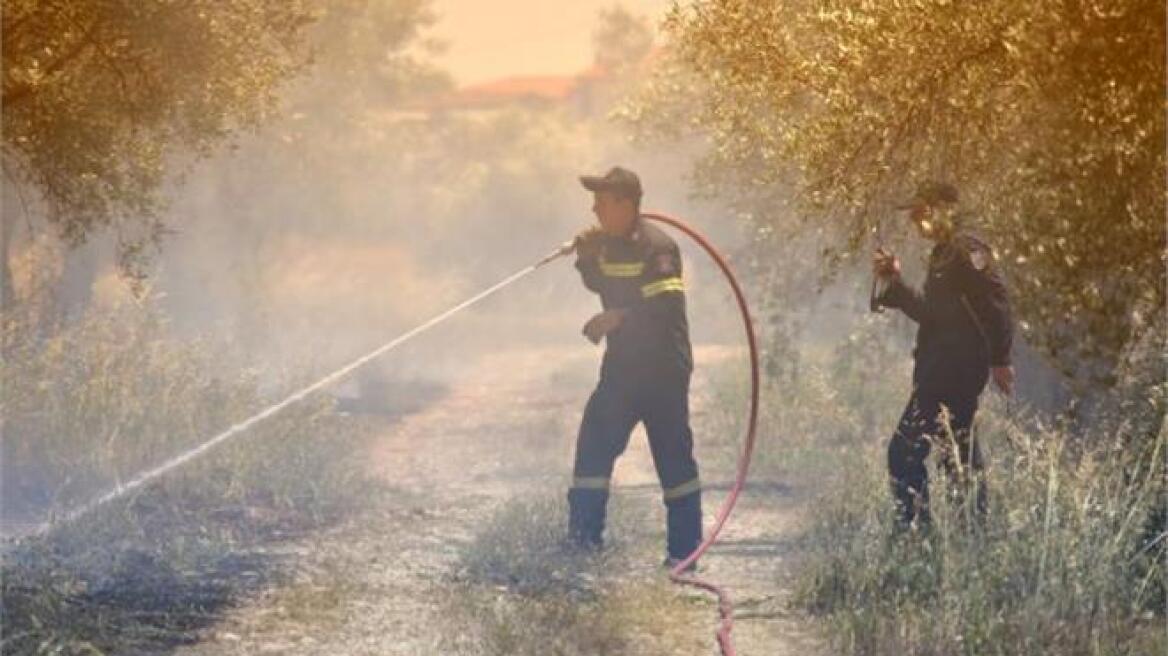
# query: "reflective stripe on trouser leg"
{"type": "Point", "coordinates": [678, 491]}
{"type": "Point", "coordinates": [587, 500]}
{"type": "Point", "coordinates": [683, 517]}
{"type": "Point", "coordinates": [604, 433]}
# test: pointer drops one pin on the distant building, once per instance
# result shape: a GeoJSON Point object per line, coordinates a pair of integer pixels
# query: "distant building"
{"type": "Point", "coordinates": [573, 92]}
{"type": "Point", "coordinates": [585, 94]}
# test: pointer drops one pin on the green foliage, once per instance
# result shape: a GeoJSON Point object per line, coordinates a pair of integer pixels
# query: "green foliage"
{"type": "Point", "coordinates": [1048, 115]}
{"type": "Point", "coordinates": [1071, 560]}
{"type": "Point", "coordinates": [379, 179]}
{"type": "Point", "coordinates": [99, 96]}
{"type": "Point", "coordinates": [365, 57]}
{"type": "Point", "coordinates": [106, 100]}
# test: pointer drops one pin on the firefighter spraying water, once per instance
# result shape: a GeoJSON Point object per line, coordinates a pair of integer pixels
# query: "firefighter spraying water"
{"type": "Point", "coordinates": [635, 268]}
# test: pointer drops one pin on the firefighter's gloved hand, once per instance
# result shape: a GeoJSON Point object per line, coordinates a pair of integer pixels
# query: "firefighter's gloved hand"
{"type": "Point", "coordinates": [587, 243]}
{"type": "Point", "coordinates": [603, 324]}
{"type": "Point", "coordinates": [885, 264]}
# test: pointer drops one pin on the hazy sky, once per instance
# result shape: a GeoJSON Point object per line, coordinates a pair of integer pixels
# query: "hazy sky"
{"type": "Point", "coordinates": [488, 39]}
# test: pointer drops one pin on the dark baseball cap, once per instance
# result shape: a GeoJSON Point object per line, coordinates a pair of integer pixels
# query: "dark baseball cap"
{"type": "Point", "coordinates": [931, 193]}
{"type": "Point", "coordinates": [619, 181]}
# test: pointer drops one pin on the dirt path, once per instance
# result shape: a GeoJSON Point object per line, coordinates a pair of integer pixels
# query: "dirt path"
{"type": "Point", "coordinates": [376, 584]}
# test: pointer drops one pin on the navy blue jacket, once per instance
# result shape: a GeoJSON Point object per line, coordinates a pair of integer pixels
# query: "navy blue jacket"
{"type": "Point", "coordinates": [641, 273]}
{"type": "Point", "coordinates": [964, 317]}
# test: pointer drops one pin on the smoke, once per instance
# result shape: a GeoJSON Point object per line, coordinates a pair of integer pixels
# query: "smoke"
{"type": "Point", "coordinates": [314, 253]}
{"type": "Point", "coordinates": [340, 226]}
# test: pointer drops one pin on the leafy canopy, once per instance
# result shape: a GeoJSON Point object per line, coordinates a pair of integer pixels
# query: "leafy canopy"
{"type": "Point", "coordinates": [1047, 114]}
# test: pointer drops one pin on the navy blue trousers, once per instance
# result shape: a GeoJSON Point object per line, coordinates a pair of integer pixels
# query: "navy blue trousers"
{"type": "Point", "coordinates": [614, 409]}
{"type": "Point", "coordinates": [921, 427]}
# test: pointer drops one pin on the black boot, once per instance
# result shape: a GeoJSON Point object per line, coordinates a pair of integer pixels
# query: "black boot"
{"type": "Point", "coordinates": [586, 511]}
{"type": "Point", "coordinates": [684, 522]}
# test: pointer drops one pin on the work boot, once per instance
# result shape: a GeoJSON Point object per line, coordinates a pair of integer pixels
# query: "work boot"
{"type": "Point", "coordinates": [683, 519]}
{"type": "Point", "coordinates": [671, 562]}
{"type": "Point", "coordinates": [586, 510]}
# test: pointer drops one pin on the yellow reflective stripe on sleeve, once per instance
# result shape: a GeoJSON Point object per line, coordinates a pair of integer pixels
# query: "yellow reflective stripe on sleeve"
{"type": "Point", "coordinates": [674, 284]}
{"type": "Point", "coordinates": [685, 489]}
{"type": "Point", "coordinates": [621, 269]}
{"type": "Point", "coordinates": [590, 483]}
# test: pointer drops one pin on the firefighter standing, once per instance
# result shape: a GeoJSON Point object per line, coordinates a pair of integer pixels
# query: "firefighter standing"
{"type": "Point", "coordinates": [964, 337]}
{"type": "Point", "coordinates": [645, 374]}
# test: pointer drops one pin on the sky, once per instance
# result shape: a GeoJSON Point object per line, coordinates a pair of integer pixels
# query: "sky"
{"type": "Point", "coordinates": [490, 39]}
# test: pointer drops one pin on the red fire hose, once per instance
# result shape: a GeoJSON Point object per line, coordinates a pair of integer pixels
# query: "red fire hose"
{"type": "Point", "coordinates": [677, 574]}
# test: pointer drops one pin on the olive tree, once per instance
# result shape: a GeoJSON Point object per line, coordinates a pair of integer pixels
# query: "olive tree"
{"type": "Point", "coordinates": [105, 102]}
{"type": "Point", "coordinates": [1049, 115]}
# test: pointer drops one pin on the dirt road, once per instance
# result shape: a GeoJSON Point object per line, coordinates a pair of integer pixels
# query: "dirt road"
{"type": "Point", "coordinates": [382, 582]}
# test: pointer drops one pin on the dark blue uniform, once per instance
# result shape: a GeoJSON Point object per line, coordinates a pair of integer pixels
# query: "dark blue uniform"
{"type": "Point", "coordinates": [644, 378]}
{"type": "Point", "coordinates": [965, 327]}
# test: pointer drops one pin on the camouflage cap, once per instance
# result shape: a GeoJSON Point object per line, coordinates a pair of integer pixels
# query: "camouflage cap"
{"type": "Point", "coordinates": [931, 193]}
{"type": "Point", "coordinates": [619, 181]}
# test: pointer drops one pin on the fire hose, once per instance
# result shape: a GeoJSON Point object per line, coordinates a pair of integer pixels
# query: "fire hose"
{"type": "Point", "coordinates": [677, 573]}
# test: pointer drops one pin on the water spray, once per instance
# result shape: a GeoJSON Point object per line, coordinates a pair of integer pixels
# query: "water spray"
{"type": "Point", "coordinates": [677, 574]}
{"type": "Point", "coordinates": [238, 428]}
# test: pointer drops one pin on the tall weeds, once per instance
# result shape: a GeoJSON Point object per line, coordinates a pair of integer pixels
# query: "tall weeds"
{"type": "Point", "coordinates": [1067, 562]}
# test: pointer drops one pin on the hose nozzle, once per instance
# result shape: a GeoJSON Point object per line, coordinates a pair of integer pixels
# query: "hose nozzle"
{"type": "Point", "coordinates": [565, 248]}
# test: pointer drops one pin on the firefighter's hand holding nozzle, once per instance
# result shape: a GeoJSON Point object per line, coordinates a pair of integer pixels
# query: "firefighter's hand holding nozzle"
{"type": "Point", "coordinates": [885, 265]}
{"type": "Point", "coordinates": [587, 243]}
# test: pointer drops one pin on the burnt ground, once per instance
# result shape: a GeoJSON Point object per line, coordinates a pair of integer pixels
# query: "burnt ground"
{"type": "Point", "coordinates": [386, 580]}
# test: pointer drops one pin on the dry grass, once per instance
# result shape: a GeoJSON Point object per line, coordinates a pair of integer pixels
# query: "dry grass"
{"type": "Point", "coordinates": [1063, 566]}
{"type": "Point", "coordinates": [108, 397]}
{"type": "Point", "coordinates": [1056, 570]}
{"type": "Point", "coordinates": [520, 591]}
